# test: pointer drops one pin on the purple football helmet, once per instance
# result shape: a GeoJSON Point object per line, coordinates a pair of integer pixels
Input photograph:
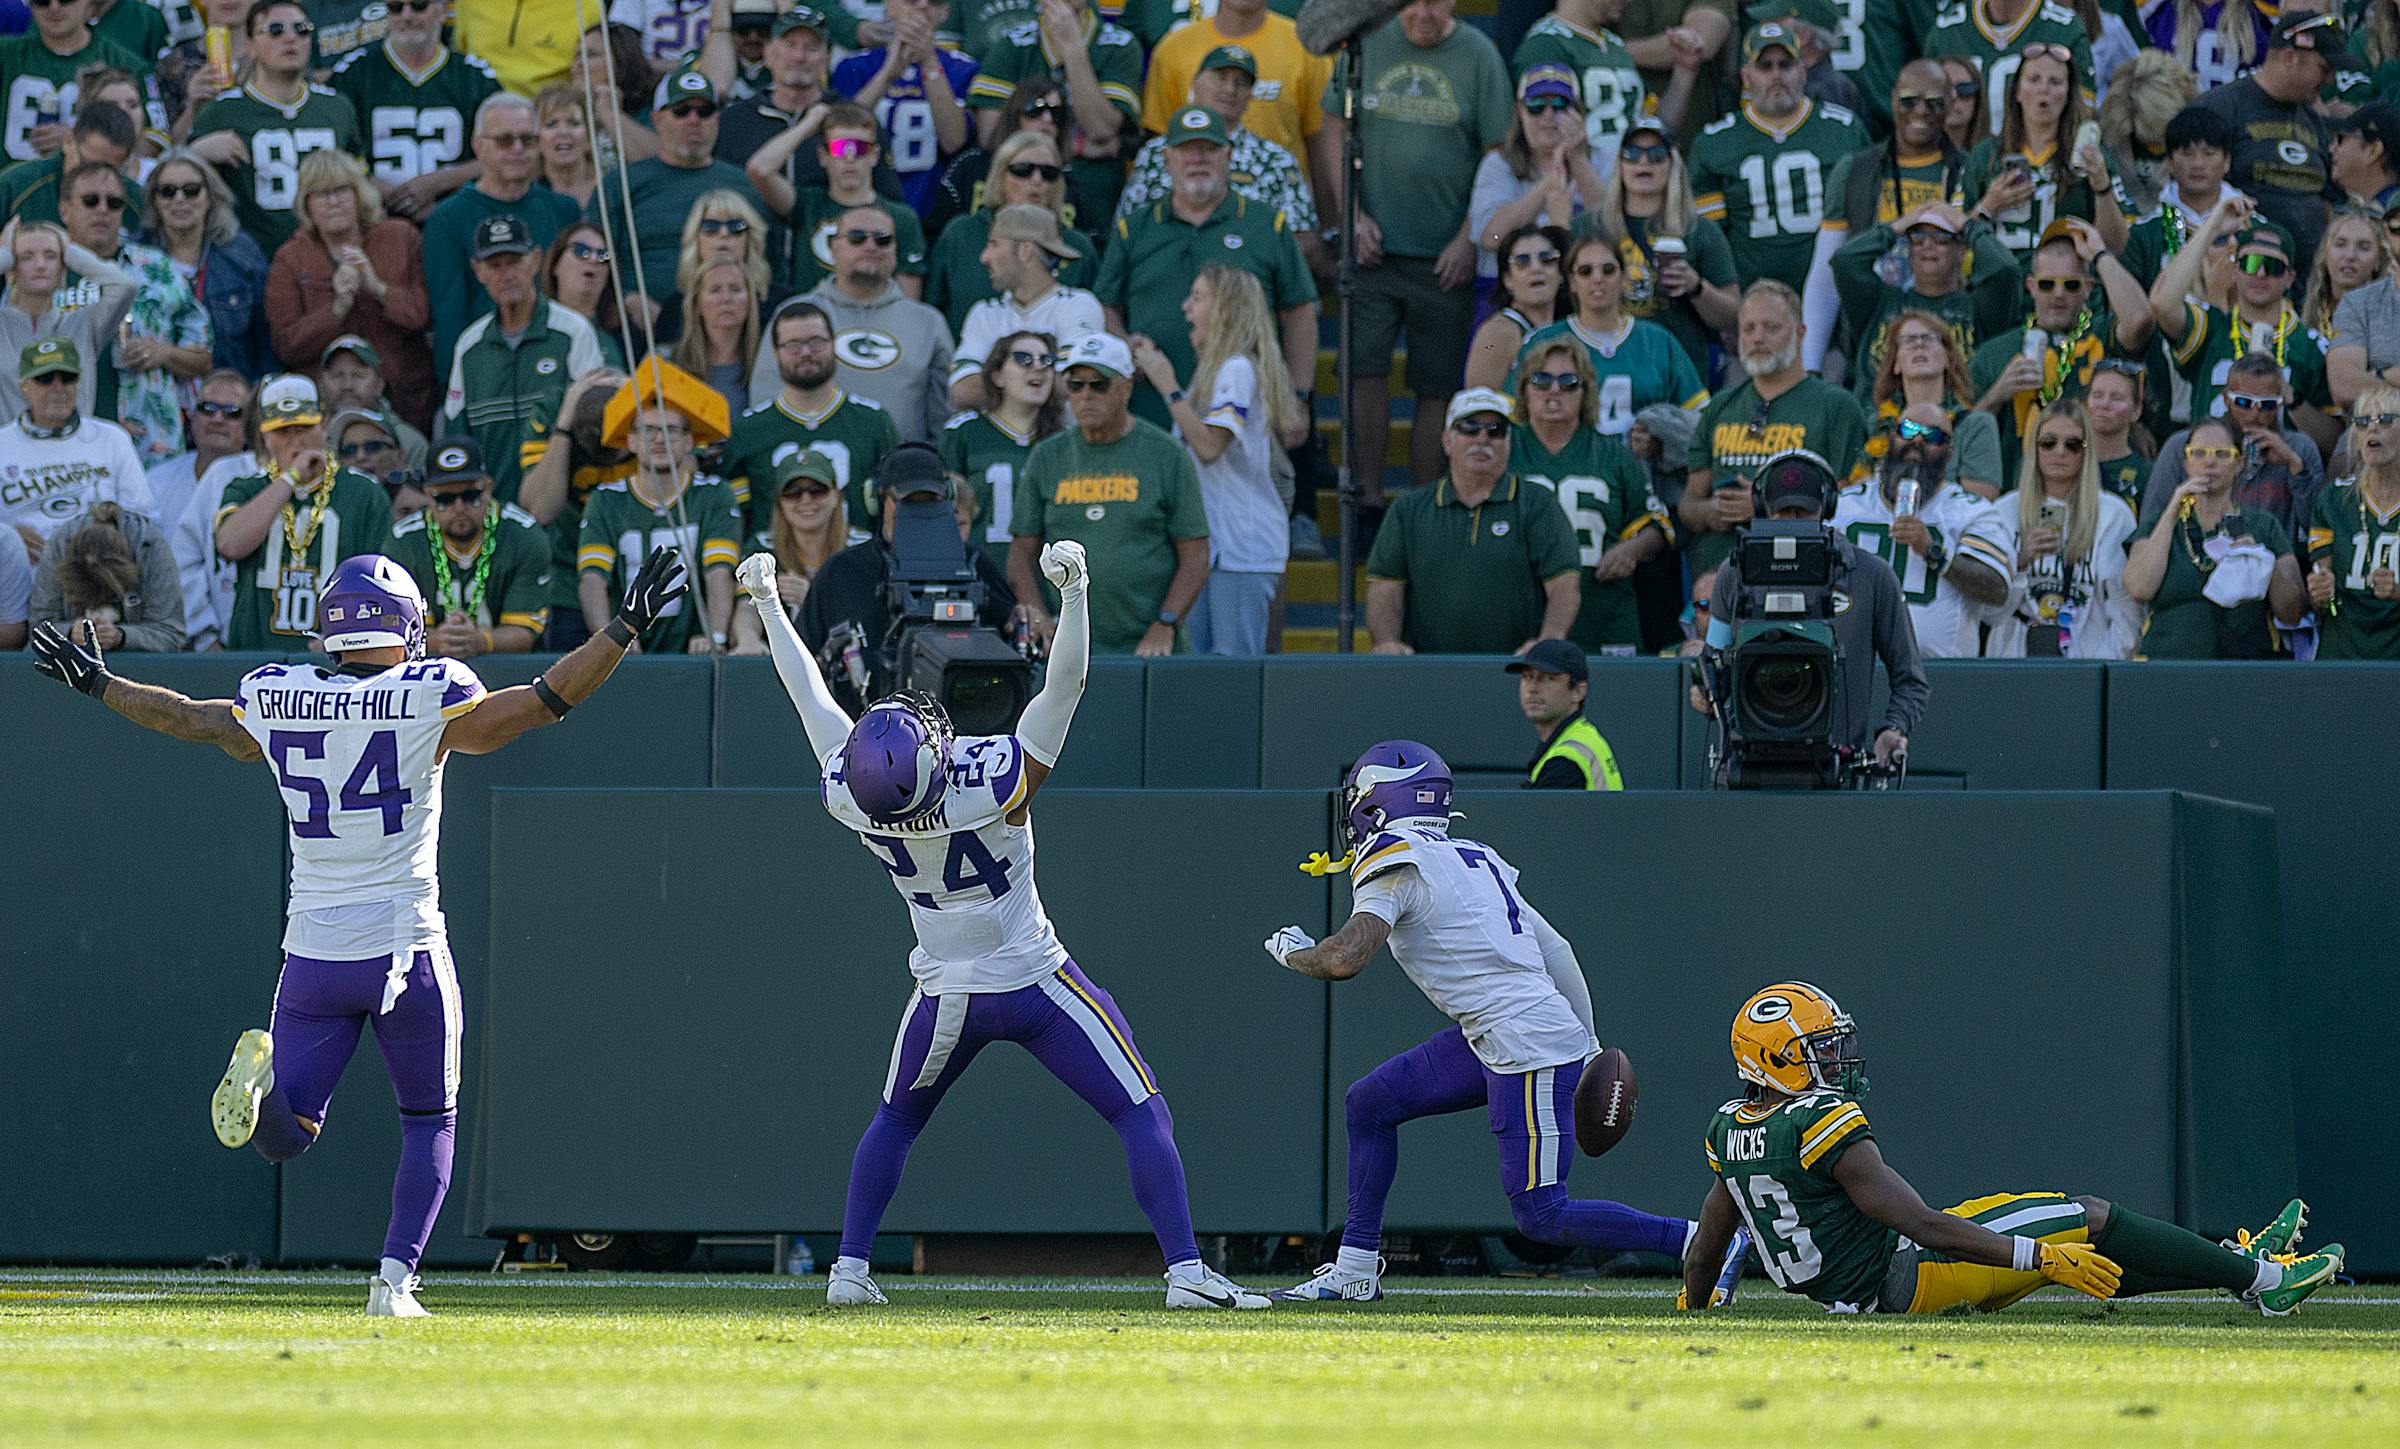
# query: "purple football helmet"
{"type": "Point", "coordinates": [370, 602]}
{"type": "Point", "coordinates": [1396, 780]}
{"type": "Point", "coordinates": [897, 761]}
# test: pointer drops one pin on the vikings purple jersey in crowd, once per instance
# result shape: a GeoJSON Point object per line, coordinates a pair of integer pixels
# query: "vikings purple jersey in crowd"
{"type": "Point", "coordinates": [358, 759]}
{"type": "Point", "coordinates": [966, 873]}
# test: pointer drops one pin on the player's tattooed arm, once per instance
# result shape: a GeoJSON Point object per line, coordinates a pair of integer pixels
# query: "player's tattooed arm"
{"type": "Point", "coordinates": [1346, 952]}
{"type": "Point", "coordinates": [210, 721]}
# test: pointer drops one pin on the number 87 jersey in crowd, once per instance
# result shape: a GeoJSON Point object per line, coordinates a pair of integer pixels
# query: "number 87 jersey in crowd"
{"type": "Point", "coordinates": [964, 869]}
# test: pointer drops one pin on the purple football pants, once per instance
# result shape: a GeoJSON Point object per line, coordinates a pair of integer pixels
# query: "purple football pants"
{"type": "Point", "coordinates": [1074, 1029]}
{"type": "Point", "coordinates": [1533, 1116]}
{"type": "Point", "coordinates": [320, 1008]}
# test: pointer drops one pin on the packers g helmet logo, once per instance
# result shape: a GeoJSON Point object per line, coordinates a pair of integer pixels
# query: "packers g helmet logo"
{"type": "Point", "coordinates": [449, 458]}
{"type": "Point", "coordinates": [867, 351]}
{"type": "Point", "coordinates": [1194, 119]}
{"type": "Point", "coordinates": [1768, 1008]}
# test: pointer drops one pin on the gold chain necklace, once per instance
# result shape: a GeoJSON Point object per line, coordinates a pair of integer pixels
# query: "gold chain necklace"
{"type": "Point", "coordinates": [295, 541]}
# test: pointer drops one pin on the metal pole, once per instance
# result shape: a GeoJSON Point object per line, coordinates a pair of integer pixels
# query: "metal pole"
{"type": "Point", "coordinates": [1346, 478]}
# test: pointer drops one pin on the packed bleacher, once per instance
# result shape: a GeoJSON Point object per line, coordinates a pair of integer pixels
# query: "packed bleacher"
{"type": "Point", "coordinates": [2091, 307]}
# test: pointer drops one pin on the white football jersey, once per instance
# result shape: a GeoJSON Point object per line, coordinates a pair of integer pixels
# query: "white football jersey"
{"type": "Point", "coordinates": [1464, 935]}
{"type": "Point", "coordinates": [359, 761]}
{"type": "Point", "coordinates": [1965, 526]}
{"type": "Point", "coordinates": [966, 873]}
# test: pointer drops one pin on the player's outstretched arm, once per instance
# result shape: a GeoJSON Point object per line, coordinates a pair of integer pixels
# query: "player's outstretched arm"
{"type": "Point", "coordinates": [509, 713]}
{"type": "Point", "coordinates": [1704, 1255]}
{"type": "Point", "coordinates": [1339, 956]}
{"type": "Point", "coordinates": [82, 667]}
{"type": "Point", "coordinates": [1885, 1196]}
{"type": "Point", "coordinates": [826, 722]}
{"type": "Point", "coordinates": [1043, 727]}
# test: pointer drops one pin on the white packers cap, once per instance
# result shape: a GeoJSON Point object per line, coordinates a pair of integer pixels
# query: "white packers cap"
{"type": "Point", "coordinates": [1467, 402]}
{"type": "Point", "coordinates": [1100, 351]}
{"type": "Point", "coordinates": [288, 401]}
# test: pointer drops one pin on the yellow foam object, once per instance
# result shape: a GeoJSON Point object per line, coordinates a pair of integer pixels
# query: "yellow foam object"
{"type": "Point", "coordinates": [1321, 864]}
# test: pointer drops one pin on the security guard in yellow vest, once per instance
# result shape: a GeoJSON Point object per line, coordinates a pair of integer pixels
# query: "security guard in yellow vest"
{"type": "Point", "coordinates": [1552, 680]}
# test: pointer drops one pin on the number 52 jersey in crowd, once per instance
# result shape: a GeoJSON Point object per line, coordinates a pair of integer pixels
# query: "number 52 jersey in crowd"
{"type": "Point", "coordinates": [966, 873]}
{"type": "Point", "coordinates": [358, 758]}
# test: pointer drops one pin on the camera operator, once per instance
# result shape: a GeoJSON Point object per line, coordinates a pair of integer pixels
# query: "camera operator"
{"type": "Point", "coordinates": [1870, 619]}
{"type": "Point", "coordinates": [854, 586]}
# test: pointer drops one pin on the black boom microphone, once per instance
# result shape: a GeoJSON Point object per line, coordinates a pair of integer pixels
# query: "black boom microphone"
{"type": "Point", "coordinates": [1326, 25]}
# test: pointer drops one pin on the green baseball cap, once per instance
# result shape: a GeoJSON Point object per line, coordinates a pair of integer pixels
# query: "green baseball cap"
{"type": "Point", "coordinates": [2265, 236]}
{"type": "Point", "coordinates": [681, 87]}
{"type": "Point", "coordinates": [46, 355]}
{"type": "Point", "coordinates": [1197, 123]}
{"type": "Point", "coordinates": [1766, 37]}
{"type": "Point", "coordinates": [793, 464]}
{"type": "Point", "coordinates": [1231, 57]}
{"type": "Point", "coordinates": [799, 17]}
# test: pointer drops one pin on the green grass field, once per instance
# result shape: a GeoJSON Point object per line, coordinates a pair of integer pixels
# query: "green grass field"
{"type": "Point", "coordinates": [264, 1359]}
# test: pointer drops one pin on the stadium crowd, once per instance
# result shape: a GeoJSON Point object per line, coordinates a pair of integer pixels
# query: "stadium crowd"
{"type": "Point", "coordinates": [2093, 305]}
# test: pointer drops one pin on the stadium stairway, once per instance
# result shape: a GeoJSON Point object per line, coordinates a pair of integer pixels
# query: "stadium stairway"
{"type": "Point", "coordinates": [1311, 585]}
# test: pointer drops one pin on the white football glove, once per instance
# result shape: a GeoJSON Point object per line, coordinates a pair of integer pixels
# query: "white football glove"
{"type": "Point", "coordinates": [1064, 566]}
{"type": "Point", "coordinates": [1283, 943]}
{"type": "Point", "coordinates": [757, 578]}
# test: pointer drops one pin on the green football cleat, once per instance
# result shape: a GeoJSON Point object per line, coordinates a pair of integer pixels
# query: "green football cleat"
{"type": "Point", "coordinates": [248, 1077]}
{"type": "Point", "coordinates": [2278, 1239]}
{"type": "Point", "coordinates": [2301, 1277]}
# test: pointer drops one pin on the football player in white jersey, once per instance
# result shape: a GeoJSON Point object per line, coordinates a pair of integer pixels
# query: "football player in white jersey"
{"type": "Point", "coordinates": [1952, 551]}
{"type": "Point", "coordinates": [949, 818]}
{"type": "Point", "coordinates": [357, 749]}
{"type": "Point", "coordinates": [1456, 922]}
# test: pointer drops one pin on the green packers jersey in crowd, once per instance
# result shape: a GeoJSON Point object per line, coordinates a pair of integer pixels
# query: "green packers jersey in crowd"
{"type": "Point", "coordinates": [855, 432]}
{"type": "Point", "coordinates": [981, 449]}
{"type": "Point", "coordinates": [137, 26]}
{"type": "Point", "coordinates": [2354, 541]}
{"type": "Point", "coordinates": [1965, 30]}
{"type": "Point", "coordinates": [1606, 494]}
{"type": "Point", "coordinates": [1612, 88]}
{"type": "Point", "coordinates": [1739, 432]}
{"type": "Point", "coordinates": [1765, 184]}
{"type": "Point", "coordinates": [345, 27]}
{"type": "Point", "coordinates": [2212, 342]}
{"type": "Point", "coordinates": [416, 121]}
{"type": "Point", "coordinates": [1642, 365]}
{"type": "Point", "coordinates": [1020, 52]}
{"type": "Point", "coordinates": [621, 529]}
{"type": "Point", "coordinates": [815, 215]}
{"type": "Point", "coordinates": [510, 586]}
{"type": "Point", "coordinates": [1907, 183]}
{"type": "Point", "coordinates": [1777, 1160]}
{"type": "Point", "coordinates": [977, 26]}
{"type": "Point", "coordinates": [266, 187]}
{"type": "Point", "coordinates": [35, 83]}
{"type": "Point", "coordinates": [275, 588]}
{"type": "Point", "coordinates": [2127, 477]}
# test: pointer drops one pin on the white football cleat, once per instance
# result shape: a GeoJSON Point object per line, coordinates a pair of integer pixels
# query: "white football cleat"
{"type": "Point", "coordinates": [248, 1077]}
{"type": "Point", "coordinates": [1210, 1289]}
{"type": "Point", "coordinates": [386, 1299]}
{"type": "Point", "coordinates": [1334, 1283]}
{"type": "Point", "coordinates": [848, 1287]}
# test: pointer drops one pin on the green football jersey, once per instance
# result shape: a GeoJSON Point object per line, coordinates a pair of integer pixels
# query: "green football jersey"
{"type": "Point", "coordinates": [991, 457]}
{"type": "Point", "coordinates": [1765, 184]}
{"type": "Point", "coordinates": [621, 528]}
{"type": "Point", "coordinates": [1907, 183]}
{"type": "Point", "coordinates": [2354, 540]}
{"type": "Point", "coordinates": [2127, 477]}
{"type": "Point", "coordinates": [2020, 228]}
{"type": "Point", "coordinates": [1606, 493]}
{"type": "Point", "coordinates": [36, 84]}
{"type": "Point", "coordinates": [1642, 365]}
{"type": "Point", "coordinates": [138, 27]}
{"type": "Point", "coordinates": [1967, 31]}
{"type": "Point", "coordinates": [275, 588]}
{"type": "Point", "coordinates": [1021, 52]}
{"type": "Point", "coordinates": [506, 581]}
{"type": "Point", "coordinates": [1739, 432]}
{"type": "Point", "coordinates": [266, 187]}
{"type": "Point", "coordinates": [1612, 89]}
{"type": "Point", "coordinates": [416, 121]}
{"type": "Point", "coordinates": [1777, 1160]}
{"type": "Point", "coordinates": [979, 26]}
{"type": "Point", "coordinates": [855, 432]}
{"type": "Point", "coordinates": [2212, 342]}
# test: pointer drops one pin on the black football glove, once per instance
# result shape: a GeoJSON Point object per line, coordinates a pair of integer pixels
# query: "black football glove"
{"type": "Point", "coordinates": [654, 590]}
{"type": "Point", "coordinates": [75, 665]}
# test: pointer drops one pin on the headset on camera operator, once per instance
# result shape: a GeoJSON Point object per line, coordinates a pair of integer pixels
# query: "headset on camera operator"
{"type": "Point", "coordinates": [858, 590]}
{"type": "Point", "coordinates": [1865, 619]}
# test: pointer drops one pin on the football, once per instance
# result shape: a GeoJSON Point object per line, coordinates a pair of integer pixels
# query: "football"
{"type": "Point", "coordinates": [1604, 1102]}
